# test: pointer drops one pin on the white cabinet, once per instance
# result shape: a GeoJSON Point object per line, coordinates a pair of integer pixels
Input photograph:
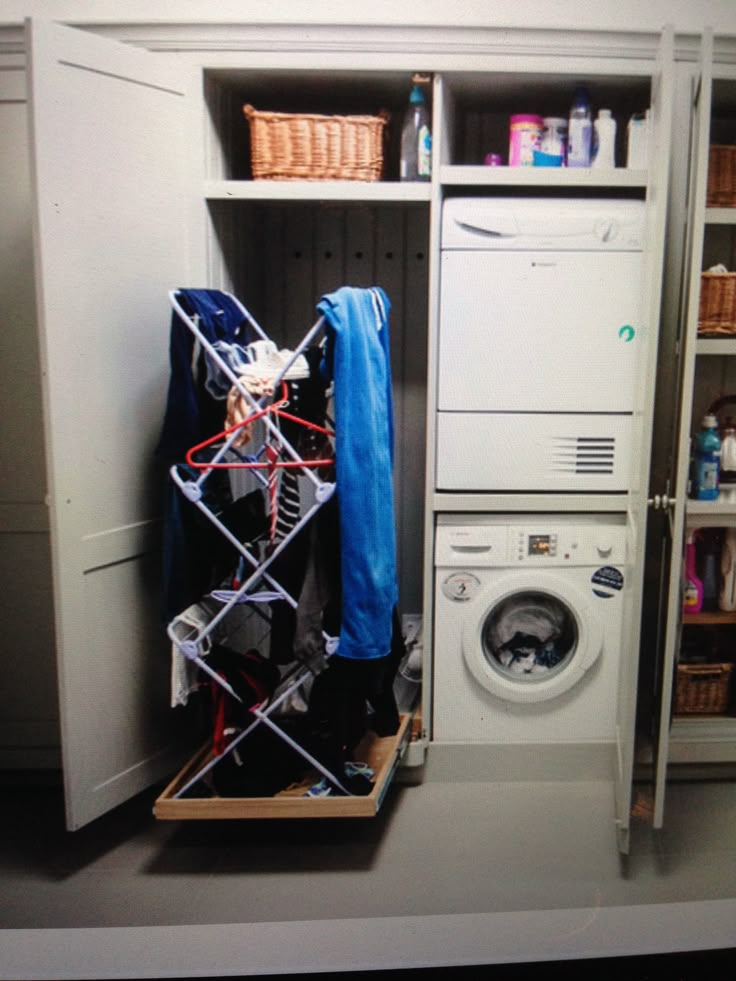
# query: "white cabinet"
{"type": "Point", "coordinates": [142, 183]}
{"type": "Point", "coordinates": [127, 206]}
{"type": "Point", "coordinates": [472, 109]}
{"type": "Point", "coordinates": [708, 372]}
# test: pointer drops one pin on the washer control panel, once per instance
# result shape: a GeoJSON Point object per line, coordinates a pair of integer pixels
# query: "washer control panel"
{"type": "Point", "coordinates": [560, 546]}
{"type": "Point", "coordinates": [533, 545]}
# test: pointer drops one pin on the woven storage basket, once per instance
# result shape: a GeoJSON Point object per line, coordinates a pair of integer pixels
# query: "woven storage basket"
{"type": "Point", "coordinates": [702, 689]}
{"type": "Point", "coordinates": [303, 146]}
{"type": "Point", "coordinates": [717, 312]}
{"type": "Point", "coordinates": [721, 191]}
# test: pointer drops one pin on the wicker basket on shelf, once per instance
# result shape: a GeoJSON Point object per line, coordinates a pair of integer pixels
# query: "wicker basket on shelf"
{"type": "Point", "coordinates": [721, 191]}
{"type": "Point", "coordinates": [307, 146]}
{"type": "Point", "coordinates": [702, 689]}
{"type": "Point", "coordinates": [717, 312]}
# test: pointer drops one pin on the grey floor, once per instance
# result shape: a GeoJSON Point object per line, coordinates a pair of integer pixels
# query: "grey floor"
{"type": "Point", "coordinates": [448, 872]}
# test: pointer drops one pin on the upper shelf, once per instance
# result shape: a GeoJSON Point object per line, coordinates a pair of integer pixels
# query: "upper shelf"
{"type": "Point", "coordinates": [388, 191]}
{"type": "Point", "coordinates": [720, 216]}
{"type": "Point", "coordinates": [379, 191]}
{"type": "Point", "coordinates": [542, 176]}
{"type": "Point", "coordinates": [715, 345]}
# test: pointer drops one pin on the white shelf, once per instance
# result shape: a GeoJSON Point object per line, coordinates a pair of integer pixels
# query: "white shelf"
{"type": "Point", "coordinates": [715, 345]}
{"type": "Point", "coordinates": [720, 216]}
{"type": "Point", "coordinates": [543, 176]}
{"type": "Point", "coordinates": [710, 514]}
{"type": "Point", "coordinates": [703, 739]}
{"type": "Point", "coordinates": [380, 191]}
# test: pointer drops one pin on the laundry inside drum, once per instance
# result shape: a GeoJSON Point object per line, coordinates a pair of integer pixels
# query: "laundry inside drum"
{"type": "Point", "coordinates": [530, 636]}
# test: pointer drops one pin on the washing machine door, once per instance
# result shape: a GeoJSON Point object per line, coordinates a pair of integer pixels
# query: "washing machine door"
{"type": "Point", "coordinates": [529, 638]}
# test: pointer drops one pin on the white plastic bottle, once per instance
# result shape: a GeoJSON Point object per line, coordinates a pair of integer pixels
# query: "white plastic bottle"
{"type": "Point", "coordinates": [416, 139]}
{"type": "Point", "coordinates": [579, 130]}
{"type": "Point", "coordinates": [604, 140]}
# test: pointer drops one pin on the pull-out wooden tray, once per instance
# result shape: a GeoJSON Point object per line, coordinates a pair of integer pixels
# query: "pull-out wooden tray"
{"type": "Point", "coordinates": [381, 754]}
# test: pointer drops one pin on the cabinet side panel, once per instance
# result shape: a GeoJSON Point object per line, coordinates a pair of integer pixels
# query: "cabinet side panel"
{"type": "Point", "coordinates": [29, 723]}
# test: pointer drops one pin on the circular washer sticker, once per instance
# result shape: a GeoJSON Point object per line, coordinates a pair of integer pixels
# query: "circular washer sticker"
{"type": "Point", "coordinates": [607, 581]}
{"type": "Point", "coordinates": [461, 586]}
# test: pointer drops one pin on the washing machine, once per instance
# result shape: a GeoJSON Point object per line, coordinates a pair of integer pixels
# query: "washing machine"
{"type": "Point", "coordinates": [527, 627]}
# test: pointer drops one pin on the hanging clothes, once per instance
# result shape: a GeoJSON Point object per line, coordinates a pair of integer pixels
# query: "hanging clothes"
{"type": "Point", "coordinates": [192, 411]}
{"type": "Point", "coordinates": [357, 358]}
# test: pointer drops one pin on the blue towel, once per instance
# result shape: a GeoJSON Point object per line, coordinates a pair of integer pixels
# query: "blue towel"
{"type": "Point", "coordinates": [357, 358]}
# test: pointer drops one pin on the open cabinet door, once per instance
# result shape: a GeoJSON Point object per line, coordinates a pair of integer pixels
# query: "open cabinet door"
{"type": "Point", "coordinates": [637, 507]}
{"type": "Point", "coordinates": [110, 228]}
{"type": "Point", "coordinates": [688, 326]}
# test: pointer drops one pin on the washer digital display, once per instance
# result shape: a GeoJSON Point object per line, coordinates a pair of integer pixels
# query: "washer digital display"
{"type": "Point", "coordinates": [540, 544]}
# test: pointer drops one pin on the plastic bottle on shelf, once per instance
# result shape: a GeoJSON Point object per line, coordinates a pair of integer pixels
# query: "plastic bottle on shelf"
{"type": "Point", "coordinates": [637, 144]}
{"type": "Point", "coordinates": [727, 476]}
{"type": "Point", "coordinates": [604, 140]}
{"type": "Point", "coordinates": [416, 138]}
{"type": "Point", "coordinates": [692, 594]}
{"type": "Point", "coordinates": [707, 460]}
{"type": "Point", "coordinates": [579, 130]}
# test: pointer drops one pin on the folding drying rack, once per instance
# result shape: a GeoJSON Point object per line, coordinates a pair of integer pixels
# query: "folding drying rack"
{"type": "Point", "coordinates": [254, 585]}
{"type": "Point", "coordinates": [260, 587]}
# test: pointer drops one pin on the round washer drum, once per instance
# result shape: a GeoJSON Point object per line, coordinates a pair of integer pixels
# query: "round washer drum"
{"type": "Point", "coordinates": [529, 638]}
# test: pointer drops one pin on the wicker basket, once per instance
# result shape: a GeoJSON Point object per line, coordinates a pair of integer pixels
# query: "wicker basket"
{"type": "Point", "coordinates": [717, 312]}
{"type": "Point", "coordinates": [303, 146]}
{"type": "Point", "coordinates": [702, 689]}
{"type": "Point", "coordinates": [721, 177]}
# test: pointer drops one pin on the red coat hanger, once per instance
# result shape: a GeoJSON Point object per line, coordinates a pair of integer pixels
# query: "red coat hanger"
{"type": "Point", "coordinates": [274, 409]}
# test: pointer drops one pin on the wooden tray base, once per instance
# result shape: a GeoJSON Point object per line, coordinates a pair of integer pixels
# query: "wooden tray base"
{"type": "Point", "coordinates": [381, 754]}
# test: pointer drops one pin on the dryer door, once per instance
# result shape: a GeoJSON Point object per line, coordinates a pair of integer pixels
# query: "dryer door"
{"type": "Point", "coordinates": [539, 331]}
{"type": "Point", "coordinates": [530, 637]}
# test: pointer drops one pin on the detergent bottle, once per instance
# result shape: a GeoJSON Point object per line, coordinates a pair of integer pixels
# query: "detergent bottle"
{"type": "Point", "coordinates": [579, 130]}
{"type": "Point", "coordinates": [692, 599]}
{"type": "Point", "coordinates": [707, 460]}
{"type": "Point", "coordinates": [604, 140]}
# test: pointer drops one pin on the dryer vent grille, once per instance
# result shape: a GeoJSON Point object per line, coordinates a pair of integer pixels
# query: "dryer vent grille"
{"type": "Point", "coordinates": [584, 454]}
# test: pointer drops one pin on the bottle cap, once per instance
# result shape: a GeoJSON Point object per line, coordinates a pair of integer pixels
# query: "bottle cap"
{"type": "Point", "coordinates": [710, 422]}
{"type": "Point", "coordinates": [604, 113]}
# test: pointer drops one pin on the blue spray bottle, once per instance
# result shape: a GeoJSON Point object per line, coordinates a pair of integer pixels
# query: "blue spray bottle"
{"type": "Point", "coordinates": [707, 460]}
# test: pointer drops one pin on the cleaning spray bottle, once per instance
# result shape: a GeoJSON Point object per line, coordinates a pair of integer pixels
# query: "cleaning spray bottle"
{"type": "Point", "coordinates": [416, 140]}
{"type": "Point", "coordinates": [692, 598]}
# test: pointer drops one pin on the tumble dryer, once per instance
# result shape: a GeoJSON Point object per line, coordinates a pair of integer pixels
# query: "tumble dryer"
{"type": "Point", "coordinates": [540, 341]}
{"type": "Point", "coordinates": [527, 627]}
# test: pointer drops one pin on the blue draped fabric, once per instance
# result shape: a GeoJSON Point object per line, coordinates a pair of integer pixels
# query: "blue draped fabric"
{"type": "Point", "coordinates": [357, 358]}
